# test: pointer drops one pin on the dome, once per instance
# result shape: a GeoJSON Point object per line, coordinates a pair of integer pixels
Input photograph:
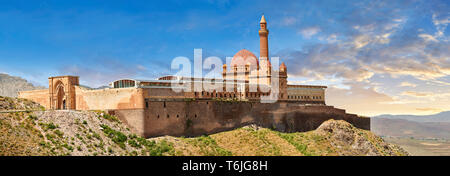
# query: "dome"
{"type": "Point", "coordinates": [244, 57]}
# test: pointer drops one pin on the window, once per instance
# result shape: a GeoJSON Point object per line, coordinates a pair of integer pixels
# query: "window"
{"type": "Point", "coordinates": [164, 104]}
{"type": "Point", "coordinates": [146, 104]}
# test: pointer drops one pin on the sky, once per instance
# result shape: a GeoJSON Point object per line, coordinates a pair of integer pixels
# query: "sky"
{"type": "Point", "coordinates": [375, 56]}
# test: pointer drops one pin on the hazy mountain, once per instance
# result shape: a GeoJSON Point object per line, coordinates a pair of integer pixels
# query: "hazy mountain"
{"type": "Point", "coordinates": [10, 85]}
{"type": "Point", "coordinates": [440, 117]}
{"type": "Point", "coordinates": [406, 128]}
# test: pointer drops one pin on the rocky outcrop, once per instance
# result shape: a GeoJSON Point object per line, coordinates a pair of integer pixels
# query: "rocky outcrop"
{"type": "Point", "coordinates": [355, 141]}
{"type": "Point", "coordinates": [7, 103]}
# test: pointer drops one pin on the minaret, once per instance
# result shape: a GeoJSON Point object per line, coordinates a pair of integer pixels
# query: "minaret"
{"type": "Point", "coordinates": [265, 66]}
{"type": "Point", "coordinates": [263, 42]}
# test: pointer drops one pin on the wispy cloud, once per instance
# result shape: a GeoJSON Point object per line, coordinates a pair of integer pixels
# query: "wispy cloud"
{"type": "Point", "coordinates": [387, 47]}
{"type": "Point", "coordinates": [417, 94]}
{"type": "Point", "coordinates": [288, 21]}
{"type": "Point", "coordinates": [407, 84]}
{"type": "Point", "coordinates": [309, 32]}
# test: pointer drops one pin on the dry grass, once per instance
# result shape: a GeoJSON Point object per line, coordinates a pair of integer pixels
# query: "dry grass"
{"type": "Point", "coordinates": [250, 142]}
{"type": "Point", "coordinates": [20, 138]}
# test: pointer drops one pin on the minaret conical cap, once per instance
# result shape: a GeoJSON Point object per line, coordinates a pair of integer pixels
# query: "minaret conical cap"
{"type": "Point", "coordinates": [263, 20]}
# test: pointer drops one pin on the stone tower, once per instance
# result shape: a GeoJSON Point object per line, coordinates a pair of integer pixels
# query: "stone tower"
{"type": "Point", "coordinates": [283, 81]}
{"type": "Point", "coordinates": [265, 66]}
{"type": "Point", "coordinates": [263, 41]}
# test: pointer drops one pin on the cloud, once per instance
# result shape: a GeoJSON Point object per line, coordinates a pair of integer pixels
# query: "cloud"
{"type": "Point", "coordinates": [430, 110]}
{"type": "Point", "coordinates": [428, 37]}
{"type": "Point", "coordinates": [141, 67]}
{"type": "Point", "coordinates": [395, 52]}
{"type": "Point", "coordinates": [361, 41]}
{"type": "Point", "coordinates": [440, 22]}
{"type": "Point", "coordinates": [309, 32]}
{"type": "Point", "coordinates": [407, 84]}
{"type": "Point", "coordinates": [332, 38]}
{"type": "Point", "coordinates": [288, 21]}
{"type": "Point", "coordinates": [363, 101]}
{"type": "Point", "coordinates": [369, 44]}
{"type": "Point", "coordinates": [417, 94]}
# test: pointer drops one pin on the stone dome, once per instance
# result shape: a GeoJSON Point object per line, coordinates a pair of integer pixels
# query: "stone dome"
{"type": "Point", "coordinates": [244, 57]}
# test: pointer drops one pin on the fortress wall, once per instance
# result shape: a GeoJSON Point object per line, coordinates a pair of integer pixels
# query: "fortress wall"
{"type": "Point", "coordinates": [134, 118]}
{"type": "Point", "coordinates": [194, 118]}
{"type": "Point", "coordinates": [316, 108]}
{"type": "Point", "coordinates": [163, 93]}
{"type": "Point", "coordinates": [38, 96]}
{"type": "Point", "coordinates": [124, 98]}
{"type": "Point", "coordinates": [306, 92]}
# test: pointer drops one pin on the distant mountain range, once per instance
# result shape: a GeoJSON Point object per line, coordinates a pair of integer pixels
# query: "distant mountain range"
{"type": "Point", "coordinates": [426, 126]}
{"type": "Point", "coordinates": [406, 128]}
{"type": "Point", "coordinates": [10, 85]}
{"type": "Point", "coordinates": [440, 117]}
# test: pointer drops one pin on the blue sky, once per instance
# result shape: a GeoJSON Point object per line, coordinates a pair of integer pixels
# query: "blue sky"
{"type": "Point", "coordinates": [375, 56]}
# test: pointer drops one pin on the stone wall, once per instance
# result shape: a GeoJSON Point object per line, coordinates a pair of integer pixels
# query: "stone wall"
{"type": "Point", "coordinates": [39, 96]}
{"type": "Point", "coordinates": [103, 99]}
{"type": "Point", "coordinates": [194, 118]}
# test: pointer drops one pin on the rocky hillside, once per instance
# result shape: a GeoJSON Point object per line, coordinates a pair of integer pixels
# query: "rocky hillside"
{"type": "Point", "coordinates": [96, 133]}
{"type": "Point", "coordinates": [7, 103]}
{"type": "Point", "coordinates": [10, 85]}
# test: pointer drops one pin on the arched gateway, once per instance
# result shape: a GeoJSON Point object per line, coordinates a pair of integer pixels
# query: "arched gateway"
{"type": "Point", "coordinates": [62, 92]}
{"type": "Point", "coordinates": [60, 96]}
